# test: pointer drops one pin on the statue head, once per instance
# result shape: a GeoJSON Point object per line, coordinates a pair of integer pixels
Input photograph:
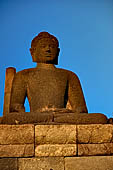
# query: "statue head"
{"type": "Point", "coordinates": [45, 48]}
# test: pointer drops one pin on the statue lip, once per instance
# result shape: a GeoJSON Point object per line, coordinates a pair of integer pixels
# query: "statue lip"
{"type": "Point", "coordinates": [48, 54]}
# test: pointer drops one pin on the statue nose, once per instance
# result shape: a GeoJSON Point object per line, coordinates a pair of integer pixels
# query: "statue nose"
{"type": "Point", "coordinates": [48, 50]}
{"type": "Point", "coordinates": [48, 47]}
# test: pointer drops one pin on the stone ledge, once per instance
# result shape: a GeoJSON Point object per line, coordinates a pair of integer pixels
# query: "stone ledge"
{"type": "Point", "coordinates": [58, 163]}
{"type": "Point", "coordinates": [55, 140]}
{"type": "Point", "coordinates": [8, 164]}
{"type": "Point", "coordinates": [49, 163]}
{"type": "Point", "coordinates": [89, 163]}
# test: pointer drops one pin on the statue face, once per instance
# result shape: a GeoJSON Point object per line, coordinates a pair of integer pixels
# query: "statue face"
{"type": "Point", "coordinates": [45, 51]}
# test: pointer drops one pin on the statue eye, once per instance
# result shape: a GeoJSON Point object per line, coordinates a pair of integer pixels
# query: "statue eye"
{"type": "Point", "coordinates": [52, 45]}
{"type": "Point", "coordinates": [43, 46]}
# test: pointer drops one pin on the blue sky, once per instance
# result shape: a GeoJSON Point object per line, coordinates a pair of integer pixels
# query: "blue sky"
{"type": "Point", "coordinates": [84, 29]}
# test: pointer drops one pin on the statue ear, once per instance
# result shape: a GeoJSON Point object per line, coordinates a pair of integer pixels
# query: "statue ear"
{"type": "Point", "coordinates": [56, 59]}
{"type": "Point", "coordinates": [58, 51]}
{"type": "Point", "coordinates": [32, 54]}
{"type": "Point", "coordinates": [31, 51]}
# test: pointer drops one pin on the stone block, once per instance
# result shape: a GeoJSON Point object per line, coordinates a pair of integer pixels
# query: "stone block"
{"type": "Point", "coordinates": [16, 134]}
{"type": "Point", "coordinates": [56, 150]}
{"type": "Point", "coordinates": [17, 150]}
{"type": "Point", "coordinates": [55, 134]}
{"type": "Point", "coordinates": [89, 163]}
{"type": "Point", "coordinates": [95, 149]}
{"type": "Point", "coordinates": [8, 164]}
{"type": "Point", "coordinates": [97, 133]}
{"type": "Point", "coordinates": [49, 163]}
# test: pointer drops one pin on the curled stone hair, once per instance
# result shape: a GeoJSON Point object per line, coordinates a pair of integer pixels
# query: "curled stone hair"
{"type": "Point", "coordinates": [42, 35]}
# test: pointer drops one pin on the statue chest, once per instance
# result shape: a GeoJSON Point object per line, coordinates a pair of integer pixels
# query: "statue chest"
{"type": "Point", "coordinates": [47, 84]}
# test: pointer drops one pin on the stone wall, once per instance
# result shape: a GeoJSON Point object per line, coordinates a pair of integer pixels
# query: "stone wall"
{"type": "Point", "coordinates": [56, 147]}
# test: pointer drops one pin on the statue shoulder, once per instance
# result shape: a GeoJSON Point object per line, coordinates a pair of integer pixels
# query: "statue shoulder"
{"type": "Point", "coordinates": [69, 73]}
{"type": "Point", "coordinates": [25, 72]}
{"type": "Point", "coordinates": [23, 75]}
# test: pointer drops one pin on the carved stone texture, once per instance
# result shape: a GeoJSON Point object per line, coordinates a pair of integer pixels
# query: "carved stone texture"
{"type": "Point", "coordinates": [95, 149]}
{"type": "Point", "coordinates": [55, 134]}
{"type": "Point", "coordinates": [54, 117]}
{"type": "Point", "coordinates": [10, 72]}
{"type": "Point", "coordinates": [89, 163]}
{"type": "Point", "coordinates": [95, 133]}
{"type": "Point", "coordinates": [47, 87]}
{"type": "Point", "coordinates": [81, 118]}
{"type": "Point", "coordinates": [26, 150]}
{"type": "Point", "coordinates": [16, 140]}
{"type": "Point", "coordinates": [55, 140]}
{"type": "Point", "coordinates": [16, 134]}
{"type": "Point", "coordinates": [56, 150]}
{"type": "Point", "coordinates": [15, 118]}
{"type": "Point", "coordinates": [49, 163]}
{"type": "Point", "coordinates": [8, 164]}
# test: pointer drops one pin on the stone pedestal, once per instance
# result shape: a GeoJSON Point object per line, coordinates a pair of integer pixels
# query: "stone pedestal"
{"type": "Point", "coordinates": [56, 147]}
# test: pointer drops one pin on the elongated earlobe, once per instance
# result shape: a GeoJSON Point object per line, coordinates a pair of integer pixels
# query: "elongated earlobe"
{"type": "Point", "coordinates": [58, 51]}
{"type": "Point", "coordinates": [31, 51]}
{"type": "Point", "coordinates": [34, 59]}
{"type": "Point", "coordinates": [56, 58]}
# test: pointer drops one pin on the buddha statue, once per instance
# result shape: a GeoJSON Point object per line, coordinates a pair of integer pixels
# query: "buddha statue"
{"type": "Point", "coordinates": [55, 95]}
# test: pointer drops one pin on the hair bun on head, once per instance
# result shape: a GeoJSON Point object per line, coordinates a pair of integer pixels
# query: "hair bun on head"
{"type": "Point", "coordinates": [42, 35]}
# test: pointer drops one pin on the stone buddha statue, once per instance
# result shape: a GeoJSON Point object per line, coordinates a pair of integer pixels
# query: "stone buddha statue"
{"type": "Point", "coordinates": [55, 95]}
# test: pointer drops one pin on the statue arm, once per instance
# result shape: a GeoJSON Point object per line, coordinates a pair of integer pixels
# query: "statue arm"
{"type": "Point", "coordinates": [75, 94]}
{"type": "Point", "coordinates": [18, 93]}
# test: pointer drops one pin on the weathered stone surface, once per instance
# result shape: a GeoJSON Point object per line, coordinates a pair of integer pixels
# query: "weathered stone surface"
{"type": "Point", "coordinates": [15, 118]}
{"type": "Point", "coordinates": [95, 149]}
{"type": "Point", "coordinates": [81, 118]}
{"type": "Point", "coordinates": [17, 150]}
{"type": "Point", "coordinates": [89, 163]}
{"type": "Point", "coordinates": [55, 134]}
{"type": "Point", "coordinates": [53, 117]}
{"type": "Point", "coordinates": [56, 150]}
{"type": "Point", "coordinates": [46, 86]}
{"type": "Point", "coordinates": [95, 133]}
{"type": "Point", "coordinates": [8, 164]}
{"type": "Point", "coordinates": [10, 72]}
{"type": "Point", "coordinates": [16, 134]}
{"type": "Point", "coordinates": [50, 163]}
